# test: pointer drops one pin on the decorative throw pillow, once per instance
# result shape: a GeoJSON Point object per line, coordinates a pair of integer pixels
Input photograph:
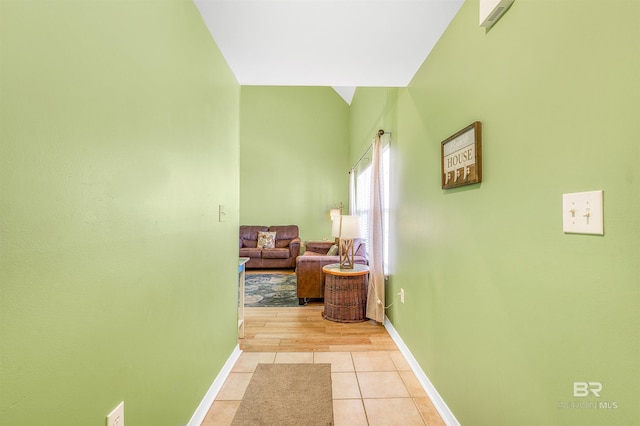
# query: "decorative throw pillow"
{"type": "Point", "coordinates": [266, 240]}
{"type": "Point", "coordinates": [333, 250]}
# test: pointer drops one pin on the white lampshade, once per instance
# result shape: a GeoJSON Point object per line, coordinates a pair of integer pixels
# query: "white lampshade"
{"type": "Point", "coordinates": [334, 213]}
{"type": "Point", "coordinates": [335, 227]}
{"type": "Point", "coordinates": [347, 227]}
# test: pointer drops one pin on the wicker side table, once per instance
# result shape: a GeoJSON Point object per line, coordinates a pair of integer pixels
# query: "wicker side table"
{"type": "Point", "coordinates": [345, 293]}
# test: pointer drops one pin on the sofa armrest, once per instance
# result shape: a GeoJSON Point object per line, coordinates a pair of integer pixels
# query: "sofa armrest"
{"type": "Point", "coordinates": [322, 260]}
{"type": "Point", "coordinates": [294, 247]}
{"type": "Point", "coordinates": [310, 275]}
{"type": "Point", "coordinates": [320, 247]}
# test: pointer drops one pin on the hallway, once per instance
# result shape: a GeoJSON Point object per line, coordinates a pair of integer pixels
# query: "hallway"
{"type": "Point", "coordinates": [372, 383]}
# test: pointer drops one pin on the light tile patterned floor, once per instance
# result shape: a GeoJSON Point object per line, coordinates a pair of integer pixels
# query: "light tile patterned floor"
{"type": "Point", "coordinates": [369, 388]}
{"type": "Point", "coordinates": [372, 383]}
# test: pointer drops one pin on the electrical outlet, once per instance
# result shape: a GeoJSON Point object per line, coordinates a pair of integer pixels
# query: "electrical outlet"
{"type": "Point", "coordinates": [116, 417]}
{"type": "Point", "coordinates": [402, 295]}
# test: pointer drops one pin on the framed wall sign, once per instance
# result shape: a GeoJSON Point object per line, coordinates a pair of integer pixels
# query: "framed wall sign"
{"type": "Point", "coordinates": [462, 157]}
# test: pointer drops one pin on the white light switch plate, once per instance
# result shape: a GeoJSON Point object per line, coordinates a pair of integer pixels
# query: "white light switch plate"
{"type": "Point", "coordinates": [582, 213]}
{"type": "Point", "coordinates": [116, 417]}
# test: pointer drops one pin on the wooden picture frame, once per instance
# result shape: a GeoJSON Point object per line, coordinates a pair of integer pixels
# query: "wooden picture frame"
{"type": "Point", "coordinates": [461, 156]}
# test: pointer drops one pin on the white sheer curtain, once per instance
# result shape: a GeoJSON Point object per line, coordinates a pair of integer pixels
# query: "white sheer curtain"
{"type": "Point", "coordinates": [375, 298]}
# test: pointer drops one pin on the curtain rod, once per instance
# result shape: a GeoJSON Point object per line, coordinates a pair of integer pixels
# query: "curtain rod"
{"type": "Point", "coordinates": [380, 133]}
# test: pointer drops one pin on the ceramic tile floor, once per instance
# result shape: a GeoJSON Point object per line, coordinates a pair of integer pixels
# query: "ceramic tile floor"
{"type": "Point", "coordinates": [369, 388]}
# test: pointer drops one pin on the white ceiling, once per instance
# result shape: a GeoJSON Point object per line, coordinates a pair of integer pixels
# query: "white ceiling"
{"type": "Point", "coordinates": [339, 43]}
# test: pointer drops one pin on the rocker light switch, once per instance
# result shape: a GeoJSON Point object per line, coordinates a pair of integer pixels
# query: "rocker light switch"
{"type": "Point", "coordinates": [222, 213]}
{"type": "Point", "coordinates": [582, 213]}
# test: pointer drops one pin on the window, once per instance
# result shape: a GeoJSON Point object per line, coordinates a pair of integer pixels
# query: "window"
{"type": "Point", "coordinates": [363, 197]}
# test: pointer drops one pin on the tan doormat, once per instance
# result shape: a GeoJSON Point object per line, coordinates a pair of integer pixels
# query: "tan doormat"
{"type": "Point", "coordinates": [287, 394]}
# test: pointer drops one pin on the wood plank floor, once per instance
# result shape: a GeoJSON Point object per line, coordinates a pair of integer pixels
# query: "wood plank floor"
{"type": "Point", "coordinates": [372, 383]}
{"type": "Point", "coordinates": [302, 329]}
{"type": "Point", "coordinates": [364, 360]}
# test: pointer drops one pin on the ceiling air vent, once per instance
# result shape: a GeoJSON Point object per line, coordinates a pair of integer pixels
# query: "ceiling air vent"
{"type": "Point", "coordinates": [492, 10]}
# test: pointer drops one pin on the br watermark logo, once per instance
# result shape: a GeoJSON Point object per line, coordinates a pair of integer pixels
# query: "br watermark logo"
{"type": "Point", "coordinates": [584, 394]}
{"type": "Point", "coordinates": [582, 389]}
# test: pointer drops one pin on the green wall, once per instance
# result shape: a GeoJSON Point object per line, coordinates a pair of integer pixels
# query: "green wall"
{"type": "Point", "coordinates": [119, 137]}
{"type": "Point", "coordinates": [294, 157]}
{"type": "Point", "coordinates": [372, 109]}
{"type": "Point", "coordinates": [504, 312]}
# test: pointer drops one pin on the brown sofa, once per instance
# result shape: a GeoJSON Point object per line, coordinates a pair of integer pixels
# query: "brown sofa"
{"type": "Point", "coordinates": [309, 267]}
{"type": "Point", "coordinates": [284, 254]}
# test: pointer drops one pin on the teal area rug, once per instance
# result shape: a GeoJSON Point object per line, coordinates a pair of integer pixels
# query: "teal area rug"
{"type": "Point", "coordinates": [262, 290]}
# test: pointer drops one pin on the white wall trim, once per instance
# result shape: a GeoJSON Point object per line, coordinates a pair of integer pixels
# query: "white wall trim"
{"type": "Point", "coordinates": [215, 387]}
{"type": "Point", "coordinates": [428, 387]}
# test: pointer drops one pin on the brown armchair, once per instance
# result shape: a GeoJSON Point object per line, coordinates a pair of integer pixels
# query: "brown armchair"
{"type": "Point", "coordinates": [309, 265]}
{"type": "Point", "coordinates": [282, 256]}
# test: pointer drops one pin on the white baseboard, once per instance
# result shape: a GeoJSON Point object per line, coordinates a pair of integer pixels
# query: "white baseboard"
{"type": "Point", "coordinates": [215, 387]}
{"type": "Point", "coordinates": [428, 387]}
